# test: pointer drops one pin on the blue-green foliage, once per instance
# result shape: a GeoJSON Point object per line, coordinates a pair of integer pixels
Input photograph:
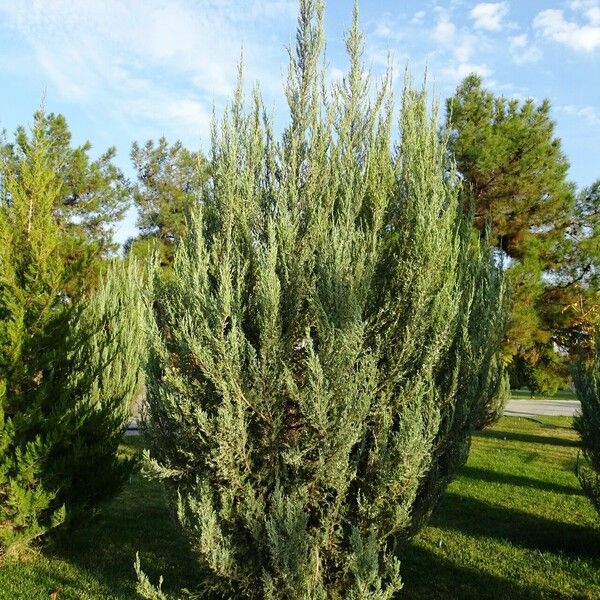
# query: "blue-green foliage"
{"type": "Point", "coordinates": [325, 342]}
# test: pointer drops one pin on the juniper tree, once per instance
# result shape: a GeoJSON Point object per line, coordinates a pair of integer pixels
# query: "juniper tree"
{"type": "Point", "coordinates": [587, 385]}
{"type": "Point", "coordinates": [69, 364]}
{"type": "Point", "coordinates": [324, 345]}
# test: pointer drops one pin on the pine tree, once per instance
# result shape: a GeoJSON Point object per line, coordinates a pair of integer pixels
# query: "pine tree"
{"type": "Point", "coordinates": [575, 296]}
{"type": "Point", "coordinates": [69, 364]}
{"type": "Point", "coordinates": [587, 385]}
{"type": "Point", "coordinates": [324, 345]}
{"type": "Point", "coordinates": [516, 175]}
{"type": "Point", "coordinates": [170, 179]}
{"type": "Point", "coordinates": [94, 193]}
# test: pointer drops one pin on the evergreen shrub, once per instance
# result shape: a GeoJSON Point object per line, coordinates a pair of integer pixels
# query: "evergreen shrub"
{"type": "Point", "coordinates": [326, 341]}
{"type": "Point", "coordinates": [587, 385]}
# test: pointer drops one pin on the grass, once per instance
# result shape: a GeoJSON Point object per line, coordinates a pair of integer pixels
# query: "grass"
{"type": "Point", "coordinates": [514, 525]}
{"type": "Point", "coordinates": [525, 394]}
{"type": "Point", "coordinates": [96, 561]}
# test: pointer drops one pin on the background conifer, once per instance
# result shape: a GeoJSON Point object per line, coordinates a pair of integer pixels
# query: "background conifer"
{"type": "Point", "coordinates": [69, 361]}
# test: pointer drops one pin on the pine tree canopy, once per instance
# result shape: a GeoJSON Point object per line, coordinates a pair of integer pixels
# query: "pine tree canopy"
{"type": "Point", "coordinates": [516, 175]}
{"type": "Point", "coordinates": [326, 340]}
{"type": "Point", "coordinates": [94, 192]}
{"type": "Point", "coordinates": [170, 178]}
{"type": "Point", "coordinates": [513, 164]}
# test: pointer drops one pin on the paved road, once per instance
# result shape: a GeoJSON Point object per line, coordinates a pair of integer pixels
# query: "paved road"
{"type": "Point", "coordinates": [566, 408]}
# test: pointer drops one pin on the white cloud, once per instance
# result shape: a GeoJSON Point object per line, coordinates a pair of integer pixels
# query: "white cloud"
{"type": "Point", "coordinates": [382, 57]}
{"type": "Point", "coordinates": [590, 8]}
{"type": "Point", "coordinates": [418, 17]}
{"type": "Point", "coordinates": [589, 113]}
{"type": "Point", "coordinates": [464, 49]}
{"type": "Point", "coordinates": [444, 31]}
{"type": "Point", "coordinates": [53, 66]}
{"type": "Point", "coordinates": [270, 9]}
{"type": "Point", "coordinates": [383, 29]}
{"type": "Point", "coordinates": [593, 14]}
{"type": "Point", "coordinates": [335, 75]}
{"type": "Point", "coordinates": [518, 41]}
{"type": "Point", "coordinates": [460, 71]}
{"type": "Point", "coordinates": [521, 51]}
{"type": "Point", "coordinates": [132, 58]}
{"type": "Point", "coordinates": [388, 28]}
{"type": "Point", "coordinates": [489, 15]}
{"type": "Point", "coordinates": [188, 111]}
{"type": "Point", "coordinates": [553, 25]}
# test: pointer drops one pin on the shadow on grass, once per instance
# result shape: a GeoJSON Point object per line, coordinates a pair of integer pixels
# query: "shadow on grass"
{"type": "Point", "coordinates": [518, 480]}
{"type": "Point", "coordinates": [137, 520]}
{"type": "Point", "coordinates": [527, 438]}
{"type": "Point", "coordinates": [427, 576]}
{"type": "Point", "coordinates": [480, 519]}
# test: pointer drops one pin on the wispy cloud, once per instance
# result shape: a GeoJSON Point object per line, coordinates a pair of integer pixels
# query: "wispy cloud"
{"type": "Point", "coordinates": [522, 51]}
{"type": "Point", "coordinates": [418, 17]}
{"type": "Point", "coordinates": [460, 71]}
{"type": "Point", "coordinates": [489, 15]}
{"type": "Point", "coordinates": [388, 28]}
{"type": "Point", "coordinates": [465, 47]}
{"type": "Point", "coordinates": [133, 61]}
{"type": "Point", "coordinates": [458, 44]}
{"type": "Point", "coordinates": [444, 31]}
{"type": "Point", "coordinates": [583, 37]}
{"type": "Point", "coordinates": [591, 8]}
{"type": "Point", "coordinates": [588, 113]}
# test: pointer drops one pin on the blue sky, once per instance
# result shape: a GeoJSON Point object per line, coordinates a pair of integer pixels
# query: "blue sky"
{"type": "Point", "coordinates": [131, 70]}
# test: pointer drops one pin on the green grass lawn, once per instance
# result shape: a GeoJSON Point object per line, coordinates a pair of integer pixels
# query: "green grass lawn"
{"type": "Point", "coordinates": [525, 394]}
{"type": "Point", "coordinates": [513, 525]}
{"type": "Point", "coordinates": [96, 561]}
